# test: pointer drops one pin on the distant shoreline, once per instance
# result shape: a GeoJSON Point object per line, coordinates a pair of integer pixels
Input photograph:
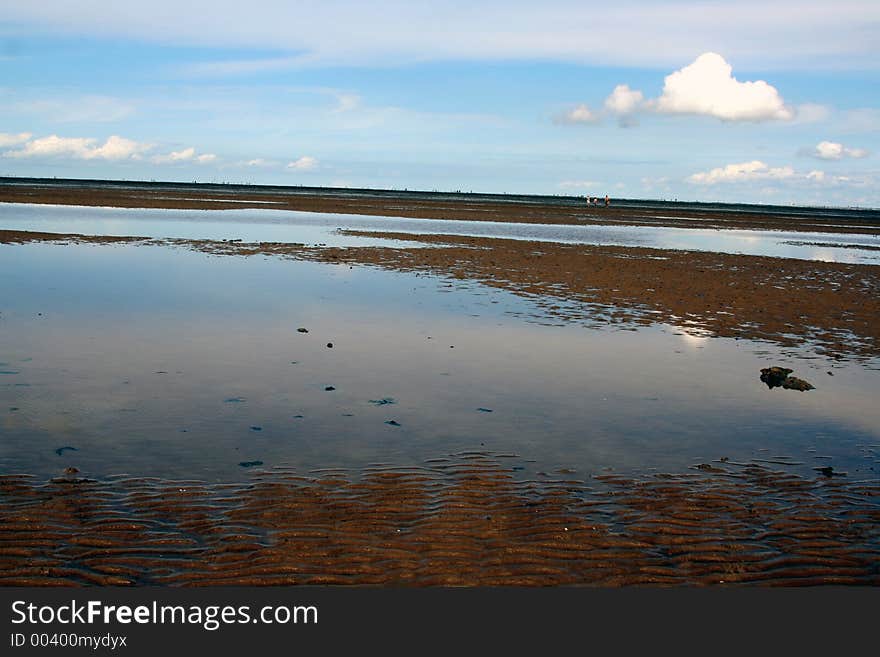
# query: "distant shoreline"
{"type": "Point", "coordinates": [436, 205]}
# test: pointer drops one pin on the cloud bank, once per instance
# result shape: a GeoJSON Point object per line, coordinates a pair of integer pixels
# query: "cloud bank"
{"type": "Point", "coordinates": [81, 148]}
{"type": "Point", "coordinates": [756, 170]}
{"type": "Point", "coordinates": [113, 149]}
{"type": "Point", "coordinates": [7, 139]}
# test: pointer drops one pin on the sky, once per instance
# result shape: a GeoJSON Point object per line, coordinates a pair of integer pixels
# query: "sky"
{"type": "Point", "coordinates": [758, 102]}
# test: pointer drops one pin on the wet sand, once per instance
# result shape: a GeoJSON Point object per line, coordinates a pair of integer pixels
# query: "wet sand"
{"type": "Point", "coordinates": [508, 211]}
{"type": "Point", "coordinates": [463, 520]}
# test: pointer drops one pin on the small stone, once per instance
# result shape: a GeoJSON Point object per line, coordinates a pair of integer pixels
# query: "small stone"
{"type": "Point", "coordinates": [329, 345]}
{"type": "Point", "coordinates": [393, 423]}
{"type": "Point", "coordinates": [256, 428]}
{"type": "Point", "coordinates": [329, 388]}
{"type": "Point", "coordinates": [302, 330]}
{"type": "Point", "coordinates": [250, 464]}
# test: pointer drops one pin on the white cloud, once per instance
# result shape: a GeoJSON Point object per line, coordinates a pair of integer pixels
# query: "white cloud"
{"type": "Point", "coordinates": [746, 172]}
{"type": "Point", "coordinates": [579, 114]}
{"type": "Point", "coordinates": [741, 172]}
{"type": "Point", "coordinates": [830, 150]}
{"type": "Point", "coordinates": [118, 148]}
{"type": "Point", "coordinates": [579, 184]}
{"type": "Point", "coordinates": [624, 100]}
{"type": "Point", "coordinates": [304, 163]}
{"type": "Point", "coordinates": [83, 148]}
{"type": "Point", "coordinates": [7, 139]}
{"type": "Point", "coordinates": [185, 155]}
{"type": "Point", "coordinates": [707, 87]}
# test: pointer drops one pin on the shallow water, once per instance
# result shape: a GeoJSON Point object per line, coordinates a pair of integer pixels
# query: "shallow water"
{"type": "Point", "coordinates": [164, 362]}
{"type": "Point", "coordinates": [257, 225]}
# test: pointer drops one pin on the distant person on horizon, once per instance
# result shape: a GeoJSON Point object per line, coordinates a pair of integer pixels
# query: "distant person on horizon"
{"type": "Point", "coordinates": [607, 201]}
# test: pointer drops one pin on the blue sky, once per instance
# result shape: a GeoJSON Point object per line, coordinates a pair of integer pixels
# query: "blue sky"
{"type": "Point", "coordinates": [734, 101]}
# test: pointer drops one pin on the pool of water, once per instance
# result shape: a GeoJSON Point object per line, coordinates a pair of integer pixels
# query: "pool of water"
{"type": "Point", "coordinates": [149, 360]}
{"type": "Point", "coordinates": [258, 225]}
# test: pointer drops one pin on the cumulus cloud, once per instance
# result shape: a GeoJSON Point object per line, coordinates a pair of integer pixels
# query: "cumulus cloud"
{"type": "Point", "coordinates": [7, 139]}
{"type": "Point", "coordinates": [741, 172]}
{"type": "Point", "coordinates": [83, 148]}
{"type": "Point", "coordinates": [624, 100]}
{"type": "Point", "coordinates": [304, 163]}
{"type": "Point", "coordinates": [831, 150]}
{"type": "Point", "coordinates": [624, 103]}
{"type": "Point", "coordinates": [580, 114]}
{"type": "Point", "coordinates": [707, 87]}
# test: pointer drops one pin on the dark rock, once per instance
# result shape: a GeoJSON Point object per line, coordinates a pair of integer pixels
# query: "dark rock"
{"type": "Point", "coordinates": [71, 471]}
{"type": "Point", "coordinates": [383, 401]}
{"type": "Point", "coordinates": [329, 345]}
{"type": "Point", "coordinates": [235, 400]}
{"type": "Point", "coordinates": [776, 377]}
{"type": "Point", "coordinates": [250, 464]}
{"type": "Point", "coordinates": [794, 383]}
{"type": "Point", "coordinates": [256, 428]}
{"type": "Point", "coordinates": [302, 330]}
{"type": "Point", "coordinates": [484, 410]}
{"type": "Point", "coordinates": [393, 423]}
{"type": "Point", "coordinates": [329, 388]}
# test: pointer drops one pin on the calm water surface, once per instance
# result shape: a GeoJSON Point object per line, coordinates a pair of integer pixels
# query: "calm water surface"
{"type": "Point", "coordinates": [165, 362]}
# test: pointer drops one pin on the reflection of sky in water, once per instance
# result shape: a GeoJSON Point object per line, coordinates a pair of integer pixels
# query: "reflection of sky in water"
{"type": "Point", "coordinates": [138, 347]}
{"type": "Point", "coordinates": [255, 225]}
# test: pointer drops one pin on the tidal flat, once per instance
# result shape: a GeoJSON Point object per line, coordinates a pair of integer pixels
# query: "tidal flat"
{"type": "Point", "coordinates": [360, 389]}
